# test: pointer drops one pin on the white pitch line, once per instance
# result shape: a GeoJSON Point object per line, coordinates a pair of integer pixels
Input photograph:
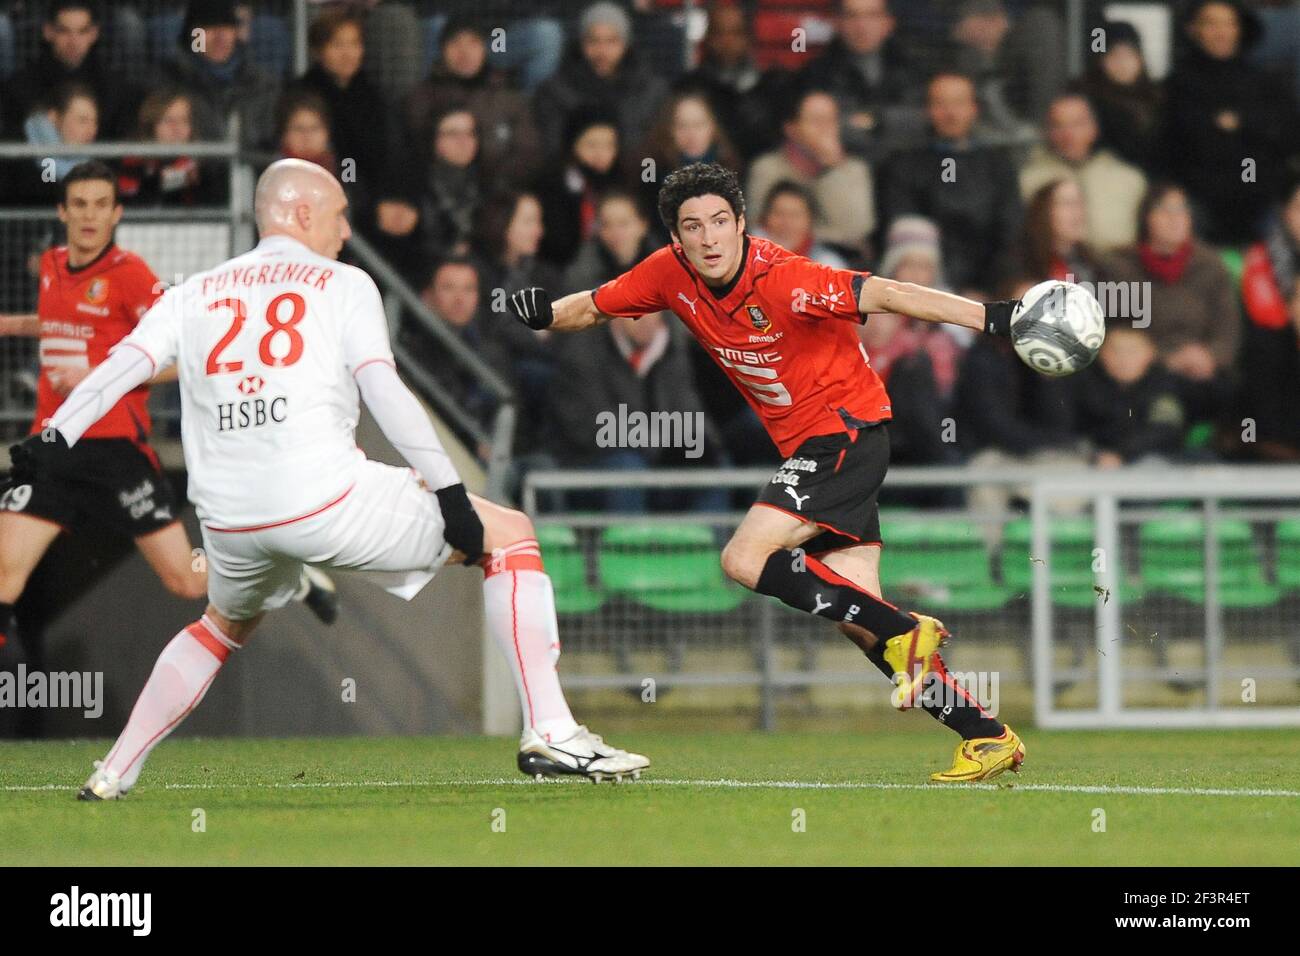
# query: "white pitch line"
{"type": "Point", "coordinates": [715, 784]}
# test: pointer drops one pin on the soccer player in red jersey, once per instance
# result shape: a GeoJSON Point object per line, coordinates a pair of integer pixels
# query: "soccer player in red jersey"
{"type": "Point", "coordinates": [781, 327]}
{"type": "Point", "coordinates": [91, 295]}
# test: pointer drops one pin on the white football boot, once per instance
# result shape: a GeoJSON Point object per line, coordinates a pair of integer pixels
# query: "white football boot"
{"type": "Point", "coordinates": [584, 754]}
{"type": "Point", "coordinates": [102, 785]}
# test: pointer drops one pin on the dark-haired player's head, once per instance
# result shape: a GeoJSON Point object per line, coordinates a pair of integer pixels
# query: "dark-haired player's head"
{"type": "Point", "coordinates": [703, 207]}
{"type": "Point", "coordinates": [90, 209]}
{"type": "Point", "coordinates": [71, 29]}
{"type": "Point", "coordinates": [951, 105]}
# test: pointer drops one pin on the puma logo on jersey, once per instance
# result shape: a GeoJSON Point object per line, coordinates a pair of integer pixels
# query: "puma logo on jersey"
{"type": "Point", "coordinates": [821, 605]}
{"type": "Point", "coordinates": [690, 302]}
{"type": "Point", "coordinates": [758, 256]}
{"type": "Point", "coordinates": [798, 498]}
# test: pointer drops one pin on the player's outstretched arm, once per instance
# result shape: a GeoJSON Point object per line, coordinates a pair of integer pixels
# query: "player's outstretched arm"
{"type": "Point", "coordinates": [534, 308]}
{"type": "Point", "coordinates": [24, 325]}
{"type": "Point", "coordinates": [403, 421]}
{"type": "Point", "coordinates": [930, 305]}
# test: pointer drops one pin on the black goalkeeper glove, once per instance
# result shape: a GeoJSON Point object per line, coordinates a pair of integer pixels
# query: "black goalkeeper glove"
{"type": "Point", "coordinates": [463, 527]}
{"type": "Point", "coordinates": [997, 317]}
{"type": "Point", "coordinates": [38, 455]}
{"type": "Point", "coordinates": [532, 306]}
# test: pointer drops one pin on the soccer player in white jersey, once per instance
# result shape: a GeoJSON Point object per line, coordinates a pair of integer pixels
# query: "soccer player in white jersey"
{"type": "Point", "coordinates": [273, 349]}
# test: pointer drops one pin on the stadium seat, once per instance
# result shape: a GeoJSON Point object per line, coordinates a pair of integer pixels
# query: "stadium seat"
{"type": "Point", "coordinates": [666, 567]}
{"type": "Point", "coordinates": [1073, 582]}
{"type": "Point", "coordinates": [1172, 560]}
{"type": "Point", "coordinates": [943, 562]}
{"type": "Point", "coordinates": [1288, 554]}
{"type": "Point", "coordinates": [567, 567]}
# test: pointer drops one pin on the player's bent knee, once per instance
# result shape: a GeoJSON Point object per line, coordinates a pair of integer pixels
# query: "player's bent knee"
{"type": "Point", "coordinates": [742, 563]}
{"type": "Point", "coordinates": [503, 527]}
{"type": "Point", "coordinates": [187, 586]}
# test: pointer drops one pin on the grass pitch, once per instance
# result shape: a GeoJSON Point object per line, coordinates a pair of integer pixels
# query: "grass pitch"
{"type": "Point", "coordinates": [708, 799]}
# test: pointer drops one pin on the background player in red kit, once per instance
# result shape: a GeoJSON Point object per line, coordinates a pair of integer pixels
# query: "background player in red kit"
{"type": "Point", "coordinates": [92, 294]}
{"type": "Point", "coordinates": [779, 325]}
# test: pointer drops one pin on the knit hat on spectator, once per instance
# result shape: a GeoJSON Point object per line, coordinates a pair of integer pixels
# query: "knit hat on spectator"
{"type": "Point", "coordinates": [606, 14]}
{"type": "Point", "coordinates": [208, 13]}
{"type": "Point", "coordinates": [910, 236]}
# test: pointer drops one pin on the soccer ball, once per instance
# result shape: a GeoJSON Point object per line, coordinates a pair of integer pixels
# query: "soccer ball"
{"type": "Point", "coordinates": [1058, 328]}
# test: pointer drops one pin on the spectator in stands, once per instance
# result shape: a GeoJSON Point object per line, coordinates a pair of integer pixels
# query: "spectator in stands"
{"type": "Point", "coordinates": [1007, 414]}
{"type": "Point", "coordinates": [622, 239]}
{"type": "Point", "coordinates": [222, 76]}
{"type": "Point", "coordinates": [1016, 67]}
{"type": "Point", "coordinates": [302, 127]}
{"type": "Point", "coordinates": [878, 88]}
{"type": "Point", "coordinates": [787, 219]}
{"type": "Point", "coordinates": [603, 71]}
{"type": "Point", "coordinates": [1126, 100]}
{"type": "Point", "coordinates": [1112, 189]}
{"type": "Point", "coordinates": [913, 253]}
{"type": "Point", "coordinates": [571, 187]}
{"type": "Point", "coordinates": [453, 295]}
{"type": "Point", "coordinates": [71, 119]}
{"type": "Point", "coordinates": [740, 93]}
{"type": "Point", "coordinates": [508, 232]}
{"type": "Point", "coordinates": [1055, 241]}
{"type": "Point", "coordinates": [978, 212]}
{"type": "Point", "coordinates": [166, 117]}
{"type": "Point", "coordinates": [70, 53]}
{"type": "Point", "coordinates": [813, 154]}
{"type": "Point", "coordinates": [1128, 405]}
{"type": "Point", "coordinates": [1220, 112]}
{"type": "Point", "coordinates": [630, 367]}
{"type": "Point", "coordinates": [359, 118]}
{"type": "Point", "coordinates": [1195, 318]}
{"type": "Point", "coordinates": [917, 360]}
{"type": "Point", "coordinates": [685, 132]}
{"type": "Point", "coordinates": [1271, 344]}
{"type": "Point", "coordinates": [511, 146]}
{"type": "Point", "coordinates": [453, 186]}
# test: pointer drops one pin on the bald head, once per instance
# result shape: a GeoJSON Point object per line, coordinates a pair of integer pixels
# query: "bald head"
{"type": "Point", "coordinates": [304, 201]}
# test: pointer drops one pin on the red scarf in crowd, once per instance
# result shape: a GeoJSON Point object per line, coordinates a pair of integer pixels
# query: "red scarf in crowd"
{"type": "Point", "coordinates": [1168, 269]}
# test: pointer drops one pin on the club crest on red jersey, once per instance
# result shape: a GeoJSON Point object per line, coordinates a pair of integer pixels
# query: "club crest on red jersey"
{"type": "Point", "coordinates": [97, 291]}
{"type": "Point", "coordinates": [760, 321]}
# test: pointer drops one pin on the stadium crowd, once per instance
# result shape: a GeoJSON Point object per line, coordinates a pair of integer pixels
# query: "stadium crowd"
{"type": "Point", "coordinates": [936, 141]}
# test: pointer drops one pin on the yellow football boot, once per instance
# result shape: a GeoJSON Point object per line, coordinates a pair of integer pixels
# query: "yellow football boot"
{"type": "Point", "coordinates": [983, 758]}
{"type": "Point", "coordinates": [910, 655]}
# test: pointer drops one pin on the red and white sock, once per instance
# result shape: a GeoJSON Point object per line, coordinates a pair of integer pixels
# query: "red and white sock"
{"type": "Point", "coordinates": [520, 609]}
{"type": "Point", "coordinates": [180, 678]}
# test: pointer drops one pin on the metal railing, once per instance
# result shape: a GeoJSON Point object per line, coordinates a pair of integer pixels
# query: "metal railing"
{"type": "Point", "coordinates": [1087, 657]}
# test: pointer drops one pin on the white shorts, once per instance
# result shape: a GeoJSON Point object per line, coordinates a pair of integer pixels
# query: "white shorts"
{"type": "Point", "coordinates": [387, 525]}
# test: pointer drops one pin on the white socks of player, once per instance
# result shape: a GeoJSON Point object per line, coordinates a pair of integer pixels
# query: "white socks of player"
{"type": "Point", "coordinates": [520, 609]}
{"type": "Point", "coordinates": [179, 680]}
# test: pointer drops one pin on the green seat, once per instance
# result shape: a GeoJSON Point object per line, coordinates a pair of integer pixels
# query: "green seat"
{"type": "Point", "coordinates": [1288, 554]}
{"type": "Point", "coordinates": [567, 568]}
{"type": "Point", "coordinates": [1172, 559]}
{"type": "Point", "coordinates": [667, 567]}
{"type": "Point", "coordinates": [1073, 583]}
{"type": "Point", "coordinates": [944, 561]}
{"type": "Point", "coordinates": [1234, 260]}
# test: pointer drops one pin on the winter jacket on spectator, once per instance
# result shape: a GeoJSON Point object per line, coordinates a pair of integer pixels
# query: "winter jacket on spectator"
{"type": "Point", "coordinates": [843, 193]}
{"type": "Point", "coordinates": [595, 265]}
{"type": "Point", "coordinates": [28, 90]}
{"type": "Point", "coordinates": [1112, 190]}
{"type": "Point", "coordinates": [1219, 112]}
{"type": "Point", "coordinates": [1196, 302]}
{"type": "Point", "coordinates": [218, 90]}
{"type": "Point", "coordinates": [1270, 349]}
{"type": "Point", "coordinates": [880, 96]}
{"type": "Point", "coordinates": [1001, 403]}
{"type": "Point", "coordinates": [360, 124]}
{"type": "Point", "coordinates": [509, 144]}
{"type": "Point", "coordinates": [633, 92]}
{"type": "Point", "coordinates": [1142, 418]}
{"type": "Point", "coordinates": [979, 221]}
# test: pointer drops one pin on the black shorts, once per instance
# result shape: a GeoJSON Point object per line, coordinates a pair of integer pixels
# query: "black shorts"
{"type": "Point", "coordinates": [834, 480]}
{"type": "Point", "coordinates": [110, 482]}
